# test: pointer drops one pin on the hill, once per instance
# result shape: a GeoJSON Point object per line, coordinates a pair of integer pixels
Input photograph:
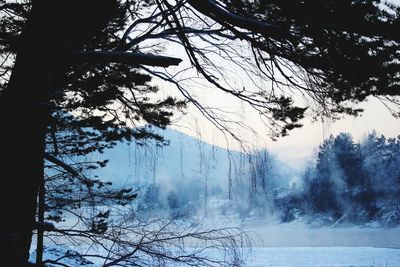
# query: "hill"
{"type": "Point", "coordinates": [193, 169]}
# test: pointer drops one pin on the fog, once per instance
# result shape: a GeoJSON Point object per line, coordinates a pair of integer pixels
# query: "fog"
{"type": "Point", "coordinates": [301, 236]}
{"type": "Point", "coordinates": [276, 204]}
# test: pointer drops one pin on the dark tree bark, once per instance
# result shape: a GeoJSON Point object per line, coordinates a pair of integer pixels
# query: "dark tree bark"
{"type": "Point", "coordinates": [22, 136]}
{"type": "Point", "coordinates": [40, 219]}
{"type": "Point", "coordinates": [24, 109]}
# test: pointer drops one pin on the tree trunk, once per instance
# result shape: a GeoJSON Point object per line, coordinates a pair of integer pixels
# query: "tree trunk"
{"type": "Point", "coordinates": [21, 165]}
{"type": "Point", "coordinates": [40, 218]}
{"type": "Point", "coordinates": [23, 115]}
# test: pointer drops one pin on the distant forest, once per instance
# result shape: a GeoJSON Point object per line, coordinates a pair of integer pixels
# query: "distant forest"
{"type": "Point", "coordinates": [345, 183]}
{"type": "Point", "coordinates": [348, 182]}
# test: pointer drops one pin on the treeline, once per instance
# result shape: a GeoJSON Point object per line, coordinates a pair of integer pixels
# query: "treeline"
{"type": "Point", "coordinates": [349, 182]}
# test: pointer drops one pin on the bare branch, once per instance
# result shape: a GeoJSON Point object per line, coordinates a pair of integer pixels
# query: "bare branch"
{"type": "Point", "coordinates": [211, 9]}
{"type": "Point", "coordinates": [61, 164]}
{"type": "Point", "coordinates": [133, 58]}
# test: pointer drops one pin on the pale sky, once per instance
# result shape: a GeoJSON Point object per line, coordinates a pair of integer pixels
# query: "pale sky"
{"type": "Point", "coordinates": [294, 149]}
{"type": "Point", "coordinates": [301, 144]}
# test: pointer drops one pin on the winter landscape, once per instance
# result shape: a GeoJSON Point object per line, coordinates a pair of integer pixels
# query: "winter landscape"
{"type": "Point", "coordinates": [294, 217]}
{"type": "Point", "coordinates": [207, 133]}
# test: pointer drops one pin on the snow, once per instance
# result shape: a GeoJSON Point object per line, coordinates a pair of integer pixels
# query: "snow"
{"type": "Point", "coordinates": [296, 245]}
{"type": "Point", "coordinates": [324, 257]}
{"type": "Point", "coordinates": [298, 235]}
{"type": "Point", "coordinates": [295, 257]}
{"type": "Point", "coordinates": [186, 163]}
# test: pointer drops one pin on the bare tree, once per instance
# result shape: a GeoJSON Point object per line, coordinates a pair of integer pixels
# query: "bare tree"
{"type": "Point", "coordinates": [158, 242]}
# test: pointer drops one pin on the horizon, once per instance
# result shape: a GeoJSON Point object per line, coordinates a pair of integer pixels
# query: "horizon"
{"type": "Point", "coordinates": [300, 145]}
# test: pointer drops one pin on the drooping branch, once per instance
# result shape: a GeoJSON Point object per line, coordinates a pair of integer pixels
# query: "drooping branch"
{"type": "Point", "coordinates": [132, 58]}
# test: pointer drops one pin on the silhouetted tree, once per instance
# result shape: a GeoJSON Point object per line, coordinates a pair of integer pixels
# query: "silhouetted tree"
{"type": "Point", "coordinates": [56, 71]}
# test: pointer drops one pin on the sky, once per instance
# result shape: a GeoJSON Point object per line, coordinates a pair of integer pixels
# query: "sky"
{"type": "Point", "coordinates": [296, 149]}
{"type": "Point", "coordinates": [301, 145]}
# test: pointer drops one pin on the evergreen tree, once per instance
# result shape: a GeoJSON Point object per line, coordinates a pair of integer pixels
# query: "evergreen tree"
{"type": "Point", "coordinates": [149, 200]}
{"type": "Point", "coordinates": [357, 196]}
{"type": "Point", "coordinates": [381, 164]}
{"type": "Point", "coordinates": [174, 205]}
{"type": "Point", "coordinates": [324, 187]}
{"type": "Point", "coordinates": [356, 181]}
{"type": "Point", "coordinates": [83, 105]}
{"type": "Point", "coordinates": [340, 187]}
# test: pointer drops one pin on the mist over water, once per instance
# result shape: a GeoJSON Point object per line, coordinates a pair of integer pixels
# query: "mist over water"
{"type": "Point", "coordinates": [285, 212]}
{"type": "Point", "coordinates": [301, 236]}
{"type": "Point", "coordinates": [193, 177]}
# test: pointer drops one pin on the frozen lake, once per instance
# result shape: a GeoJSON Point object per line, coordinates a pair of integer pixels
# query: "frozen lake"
{"type": "Point", "coordinates": [294, 245]}
{"type": "Point", "coordinates": [297, 246]}
{"type": "Point", "coordinates": [325, 237]}
{"type": "Point", "coordinates": [324, 257]}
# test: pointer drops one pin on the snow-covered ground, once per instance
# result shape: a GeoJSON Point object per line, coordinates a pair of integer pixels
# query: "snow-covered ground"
{"type": "Point", "coordinates": [183, 167]}
{"type": "Point", "coordinates": [289, 235]}
{"type": "Point", "coordinates": [291, 245]}
{"type": "Point", "coordinates": [298, 244]}
{"type": "Point", "coordinates": [303, 257]}
{"type": "Point", "coordinates": [324, 257]}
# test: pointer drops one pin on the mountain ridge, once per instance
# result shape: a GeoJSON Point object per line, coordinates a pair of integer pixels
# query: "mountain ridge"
{"type": "Point", "coordinates": [186, 160]}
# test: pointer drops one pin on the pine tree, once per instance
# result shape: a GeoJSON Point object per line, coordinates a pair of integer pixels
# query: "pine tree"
{"type": "Point", "coordinates": [53, 86]}
{"type": "Point", "coordinates": [381, 165]}
{"type": "Point", "coordinates": [324, 187]}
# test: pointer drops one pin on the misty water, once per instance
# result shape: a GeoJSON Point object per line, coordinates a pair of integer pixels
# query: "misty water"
{"type": "Point", "coordinates": [296, 236]}
{"type": "Point", "coordinates": [260, 195]}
